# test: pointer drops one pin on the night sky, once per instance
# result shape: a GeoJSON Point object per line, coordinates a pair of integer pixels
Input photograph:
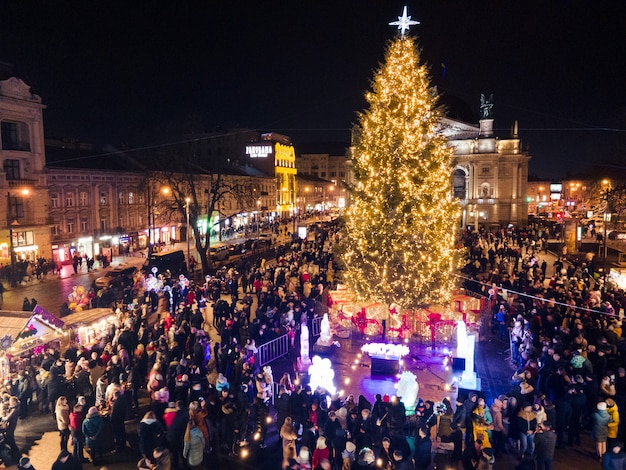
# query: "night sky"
{"type": "Point", "coordinates": [122, 72]}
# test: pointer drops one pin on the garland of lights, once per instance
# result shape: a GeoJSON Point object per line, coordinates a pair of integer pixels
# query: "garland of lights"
{"type": "Point", "coordinates": [401, 225]}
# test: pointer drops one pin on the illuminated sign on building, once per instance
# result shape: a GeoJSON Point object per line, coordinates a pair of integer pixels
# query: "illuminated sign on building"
{"type": "Point", "coordinates": [258, 151]}
{"type": "Point", "coordinates": [285, 152]}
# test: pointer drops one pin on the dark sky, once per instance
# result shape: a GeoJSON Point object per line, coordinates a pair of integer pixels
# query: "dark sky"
{"type": "Point", "coordinates": [114, 72]}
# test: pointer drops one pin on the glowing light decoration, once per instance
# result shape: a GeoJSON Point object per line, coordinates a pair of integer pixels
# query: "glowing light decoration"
{"type": "Point", "coordinates": [404, 22]}
{"type": "Point", "coordinates": [465, 348]}
{"type": "Point", "coordinates": [399, 246]}
{"type": "Point", "coordinates": [321, 374]}
{"type": "Point", "coordinates": [304, 361]}
{"type": "Point", "coordinates": [326, 337]}
{"type": "Point", "coordinates": [407, 389]}
{"type": "Point", "coordinates": [392, 351]}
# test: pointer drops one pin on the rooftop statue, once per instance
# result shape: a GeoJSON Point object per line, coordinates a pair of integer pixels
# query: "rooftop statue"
{"type": "Point", "coordinates": [486, 106]}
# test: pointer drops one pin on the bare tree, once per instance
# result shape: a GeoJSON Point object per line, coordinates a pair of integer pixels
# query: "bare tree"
{"type": "Point", "coordinates": [202, 185]}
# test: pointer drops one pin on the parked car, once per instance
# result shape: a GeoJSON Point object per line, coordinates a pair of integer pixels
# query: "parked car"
{"type": "Point", "coordinates": [117, 277]}
{"type": "Point", "coordinates": [172, 261]}
{"type": "Point", "coordinates": [219, 252]}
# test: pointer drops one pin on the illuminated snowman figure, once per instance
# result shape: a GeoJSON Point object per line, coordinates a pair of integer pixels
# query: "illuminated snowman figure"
{"type": "Point", "coordinates": [321, 374]}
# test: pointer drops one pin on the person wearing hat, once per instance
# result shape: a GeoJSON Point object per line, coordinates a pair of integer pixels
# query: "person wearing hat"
{"type": "Point", "coordinates": [616, 459]}
{"type": "Point", "coordinates": [24, 464]}
{"type": "Point", "coordinates": [600, 428]}
{"type": "Point", "coordinates": [93, 430]}
{"type": "Point", "coordinates": [66, 461]}
{"type": "Point", "coordinates": [611, 408]}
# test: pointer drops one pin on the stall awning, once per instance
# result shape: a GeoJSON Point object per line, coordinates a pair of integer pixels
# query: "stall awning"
{"type": "Point", "coordinates": [11, 323]}
{"type": "Point", "coordinates": [87, 317]}
{"type": "Point", "coordinates": [22, 331]}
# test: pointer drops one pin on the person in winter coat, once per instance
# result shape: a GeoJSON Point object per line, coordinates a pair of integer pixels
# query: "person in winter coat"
{"type": "Point", "coordinates": [93, 429]}
{"type": "Point", "coordinates": [118, 417]}
{"type": "Point", "coordinates": [161, 459]}
{"type": "Point", "coordinates": [611, 408]}
{"type": "Point", "coordinates": [289, 437]}
{"type": "Point", "coordinates": [616, 459]}
{"type": "Point", "coordinates": [499, 430]}
{"type": "Point", "coordinates": [62, 413]}
{"type": "Point", "coordinates": [423, 449]}
{"type": "Point", "coordinates": [176, 433]}
{"type": "Point", "coordinates": [151, 434]}
{"type": "Point", "coordinates": [321, 452]}
{"type": "Point", "coordinates": [527, 425]}
{"type": "Point", "coordinates": [77, 416]}
{"type": "Point", "coordinates": [545, 443]}
{"type": "Point", "coordinates": [193, 446]}
{"type": "Point", "coordinates": [66, 461]}
{"type": "Point", "coordinates": [600, 428]}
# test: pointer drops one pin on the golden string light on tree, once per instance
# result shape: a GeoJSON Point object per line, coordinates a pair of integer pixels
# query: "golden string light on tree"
{"type": "Point", "coordinates": [401, 226]}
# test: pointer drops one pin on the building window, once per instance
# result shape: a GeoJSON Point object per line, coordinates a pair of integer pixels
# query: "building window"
{"type": "Point", "coordinates": [15, 136]}
{"type": "Point", "coordinates": [103, 198]}
{"type": "Point", "coordinates": [323, 174]}
{"type": "Point", "coordinates": [55, 230]}
{"type": "Point", "coordinates": [103, 225]}
{"type": "Point", "coordinates": [84, 224]}
{"type": "Point", "coordinates": [342, 174]}
{"type": "Point", "coordinates": [12, 169]}
{"type": "Point", "coordinates": [16, 208]}
{"type": "Point", "coordinates": [54, 200]}
{"type": "Point", "coordinates": [83, 198]}
{"type": "Point", "coordinates": [70, 225]}
{"type": "Point", "coordinates": [23, 238]}
{"type": "Point", "coordinates": [333, 174]}
{"type": "Point", "coordinates": [69, 200]}
{"type": "Point", "coordinates": [459, 184]}
{"type": "Point", "coordinates": [484, 170]}
{"type": "Point", "coordinates": [120, 197]}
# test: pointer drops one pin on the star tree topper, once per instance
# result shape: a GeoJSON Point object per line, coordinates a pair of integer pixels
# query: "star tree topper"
{"type": "Point", "coordinates": [404, 22]}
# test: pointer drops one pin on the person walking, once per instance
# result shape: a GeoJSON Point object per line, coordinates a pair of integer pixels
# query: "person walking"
{"type": "Point", "coordinates": [62, 414]}
{"type": "Point", "coordinates": [118, 416]}
{"type": "Point", "coordinates": [545, 443]}
{"type": "Point", "coordinates": [93, 429]}
{"type": "Point", "coordinates": [193, 445]}
{"type": "Point", "coordinates": [151, 434]}
{"type": "Point", "coordinates": [600, 428]}
{"type": "Point", "coordinates": [77, 416]}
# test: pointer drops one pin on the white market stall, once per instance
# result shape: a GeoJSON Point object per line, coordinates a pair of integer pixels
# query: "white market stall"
{"type": "Point", "coordinates": [88, 326]}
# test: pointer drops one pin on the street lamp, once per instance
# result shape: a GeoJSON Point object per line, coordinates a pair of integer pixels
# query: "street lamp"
{"type": "Point", "coordinates": [187, 201]}
{"type": "Point", "coordinates": [258, 218]}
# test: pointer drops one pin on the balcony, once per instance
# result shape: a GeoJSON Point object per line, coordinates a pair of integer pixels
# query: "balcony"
{"type": "Point", "coordinates": [15, 183]}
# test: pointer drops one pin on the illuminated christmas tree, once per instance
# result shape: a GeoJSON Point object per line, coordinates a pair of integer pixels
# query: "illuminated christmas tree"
{"type": "Point", "coordinates": [401, 226]}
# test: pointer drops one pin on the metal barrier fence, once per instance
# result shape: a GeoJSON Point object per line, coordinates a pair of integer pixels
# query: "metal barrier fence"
{"type": "Point", "coordinates": [316, 326]}
{"type": "Point", "coordinates": [272, 350]}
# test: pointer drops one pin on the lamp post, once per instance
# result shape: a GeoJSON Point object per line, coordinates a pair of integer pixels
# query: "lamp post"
{"type": "Point", "coordinates": [149, 222]}
{"type": "Point", "coordinates": [187, 201]}
{"type": "Point", "coordinates": [258, 218]}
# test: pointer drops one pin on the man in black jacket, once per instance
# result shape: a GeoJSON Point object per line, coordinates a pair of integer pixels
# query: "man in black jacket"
{"type": "Point", "coordinates": [176, 434]}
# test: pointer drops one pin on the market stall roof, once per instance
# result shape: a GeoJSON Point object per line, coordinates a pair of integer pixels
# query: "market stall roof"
{"type": "Point", "coordinates": [28, 330]}
{"type": "Point", "coordinates": [86, 317]}
{"type": "Point", "coordinates": [11, 322]}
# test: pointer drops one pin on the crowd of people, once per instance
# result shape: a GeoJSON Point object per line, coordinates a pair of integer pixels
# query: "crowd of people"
{"type": "Point", "coordinates": [210, 398]}
{"type": "Point", "coordinates": [567, 337]}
